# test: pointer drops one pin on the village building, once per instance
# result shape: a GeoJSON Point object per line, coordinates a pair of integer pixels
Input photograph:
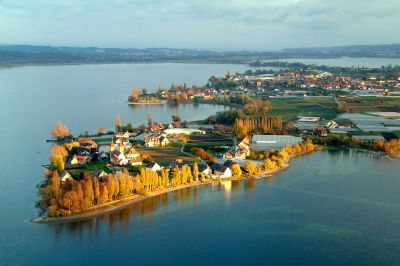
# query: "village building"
{"type": "Point", "coordinates": [136, 162]}
{"type": "Point", "coordinates": [132, 154]}
{"type": "Point", "coordinates": [320, 131]}
{"type": "Point", "coordinates": [204, 169]}
{"type": "Point", "coordinates": [176, 163]}
{"type": "Point", "coordinates": [99, 174]}
{"type": "Point", "coordinates": [65, 175]}
{"type": "Point", "coordinates": [153, 166]}
{"type": "Point", "coordinates": [227, 155]}
{"type": "Point", "coordinates": [242, 150]}
{"type": "Point", "coordinates": [221, 171]}
{"type": "Point", "coordinates": [156, 140]}
{"type": "Point", "coordinates": [77, 159]}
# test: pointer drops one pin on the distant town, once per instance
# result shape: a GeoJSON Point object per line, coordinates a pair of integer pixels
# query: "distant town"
{"type": "Point", "coordinates": [272, 116]}
{"type": "Point", "coordinates": [15, 55]}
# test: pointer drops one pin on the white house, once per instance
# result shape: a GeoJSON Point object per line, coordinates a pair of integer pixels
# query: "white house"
{"type": "Point", "coordinates": [65, 175]}
{"type": "Point", "coordinates": [204, 169]}
{"type": "Point", "coordinates": [221, 171]}
{"type": "Point", "coordinates": [155, 167]}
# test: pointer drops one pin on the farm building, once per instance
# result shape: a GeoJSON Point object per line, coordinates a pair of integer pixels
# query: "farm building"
{"type": "Point", "coordinates": [267, 142]}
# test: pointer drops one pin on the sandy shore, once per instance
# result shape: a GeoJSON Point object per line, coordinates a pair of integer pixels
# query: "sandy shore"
{"type": "Point", "coordinates": [119, 204]}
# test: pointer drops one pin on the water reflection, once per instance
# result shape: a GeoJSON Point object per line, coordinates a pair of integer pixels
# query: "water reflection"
{"type": "Point", "coordinates": [226, 186]}
{"type": "Point", "coordinates": [149, 208]}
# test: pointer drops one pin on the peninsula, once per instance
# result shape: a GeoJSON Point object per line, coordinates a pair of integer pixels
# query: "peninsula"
{"type": "Point", "coordinates": [268, 123]}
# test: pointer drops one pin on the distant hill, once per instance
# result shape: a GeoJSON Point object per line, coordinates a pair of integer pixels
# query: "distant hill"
{"type": "Point", "coordinates": [31, 54]}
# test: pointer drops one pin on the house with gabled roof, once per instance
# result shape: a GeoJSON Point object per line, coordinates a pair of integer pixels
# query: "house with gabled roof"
{"type": "Point", "coordinates": [204, 169]}
{"type": "Point", "coordinates": [77, 159]}
{"type": "Point", "coordinates": [221, 171]}
{"type": "Point", "coordinates": [153, 166]}
{"type": "Point", "coordinates": [136, 162]}
{"type": "Point", "coordinates": [99, 173]}
{"type": "Point", "coordinates": [132, 154]}
{"type": "Point", "coordinates": [65, 175]}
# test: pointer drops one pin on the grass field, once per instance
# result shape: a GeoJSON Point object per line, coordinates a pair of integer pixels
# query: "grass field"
{"type": "Point", "coordinates": [287, 108]}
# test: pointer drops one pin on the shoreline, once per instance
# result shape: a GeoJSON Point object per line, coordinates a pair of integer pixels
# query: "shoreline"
{"type": "Point", "coordinates": [119, 204]}
{"type": "Point", "coordinates": [147, 103]}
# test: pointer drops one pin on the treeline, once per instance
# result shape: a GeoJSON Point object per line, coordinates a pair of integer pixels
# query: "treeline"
{"type": "Point", "coordinates": [273, 160]}
{"type": "Point", "coordinates": [141, 96]}
{"type": "Point", "coordinates": [246, 107]}
{"type": "Point", "coordinates": [264, 125]}
{"type": "Point", "coordinates": [391, 147]}
{"type": "Point", "coordinates": [75, 196]}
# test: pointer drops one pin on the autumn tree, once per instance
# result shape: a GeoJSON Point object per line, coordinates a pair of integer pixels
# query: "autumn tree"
{"type": "Point", "coordinates": [96, 190]}
{"type": "Point", "coordinates": [183, 138]}
{"type": "Point", "coordinates": [118, 124]}
{"type": "Point", "coordinates": [269, 164]}
{"type": "Point", "coordinates": [250, 167]}
{"type": "Point", "coordinates": [195, 172]}
{"type": "Point", "coordinates": [102, 131]}
{"type": "Point", "coordinates": [61, 130]}
{"type": "Point", "coordinates": [236, 171]}
{"type": "Point", "coordinates": [56, 185]}
{"type": "Point", "coordinates": [57, 157]}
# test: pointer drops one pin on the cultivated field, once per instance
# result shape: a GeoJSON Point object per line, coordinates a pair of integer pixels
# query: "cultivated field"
{"type": "Point", "coordinates": [287, 108]}
{"type": "Point", "coordinates": [208, 142]}
{"type": "Point", "coordinates": [164, 155]}
{"type": "Point", "coordinates": [373, 104]}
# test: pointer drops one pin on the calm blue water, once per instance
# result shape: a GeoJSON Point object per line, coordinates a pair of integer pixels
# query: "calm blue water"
{"type": "Point", "coordinates": [330, 208]}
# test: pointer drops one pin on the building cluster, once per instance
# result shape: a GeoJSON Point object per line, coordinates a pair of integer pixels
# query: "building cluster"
{"type": "Point", "coordinates": [308, 83]}
{"type": "Point", "coordinates": [352, 123]}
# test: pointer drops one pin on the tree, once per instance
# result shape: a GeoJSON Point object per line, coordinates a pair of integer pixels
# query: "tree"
{"type": "Point", "coordinates": [118, 124]}
{"type": "Point", "coordinates": [176, 118]}
{"type": "Point", "coordinates": [250, 167]}
{"type": "Point", "coordinates": [129, 127]}
{"type": "Point", "coordinates": [96, 189]}
{"type": "Point", "coordinates": [102, 131]}
{"type": "Point", "coordinates": [183, 138]}
{"type": "Point", "coordinates": [196, 172]}
{"type": "Point", "coordinates": [149, 119]}
{"type": "Point", "coordinates": [56, 185]}
{"type": "Point", "coordinates": [57, 161]}
{"type": "Point", "coordinates": [269, 164]}
{"type": "Point", "coordinates": [236, 171]}
{"type": "Point", "coordinates": [68, 200]}
{"type": "Point", "coordinates": [61, 130]}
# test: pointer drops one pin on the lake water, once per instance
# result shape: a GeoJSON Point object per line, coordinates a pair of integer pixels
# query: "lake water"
{"type": "Point", "coordinates": [331, 207]}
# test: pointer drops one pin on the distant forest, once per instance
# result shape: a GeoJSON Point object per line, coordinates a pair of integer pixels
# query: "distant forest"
{"type": "Point", "coordinates": [30, 54]}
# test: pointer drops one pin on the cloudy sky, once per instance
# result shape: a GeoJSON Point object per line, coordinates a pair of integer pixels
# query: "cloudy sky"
{"type": "Point", "coordinates": [224, 24]}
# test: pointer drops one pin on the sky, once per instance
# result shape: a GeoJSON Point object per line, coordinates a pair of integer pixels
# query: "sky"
{"type": "Point", "coordinates": [200, 24]}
